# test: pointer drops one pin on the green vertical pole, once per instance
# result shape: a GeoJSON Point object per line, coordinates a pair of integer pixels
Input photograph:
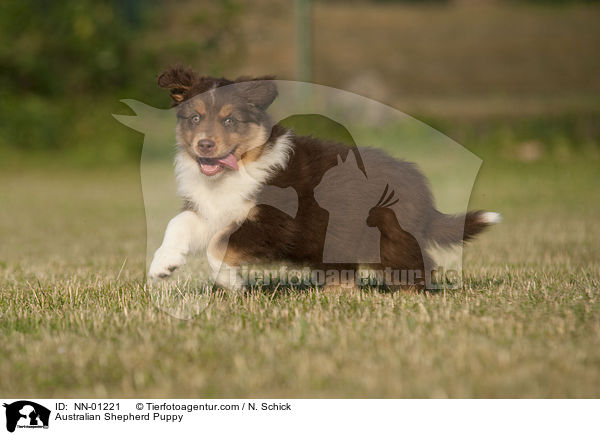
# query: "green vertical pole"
{"type": "Point", "coordinates": [302, 12]}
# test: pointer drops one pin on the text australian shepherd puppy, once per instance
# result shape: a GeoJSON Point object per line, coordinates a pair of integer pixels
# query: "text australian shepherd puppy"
{"type": "Point", "coordinates": [256, 193]}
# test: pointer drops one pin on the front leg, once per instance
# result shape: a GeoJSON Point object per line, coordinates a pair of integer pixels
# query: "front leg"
{"type": "Point", "coordinates": [224, 262]}
{"type": "Point", "coordinates": [184, 234]}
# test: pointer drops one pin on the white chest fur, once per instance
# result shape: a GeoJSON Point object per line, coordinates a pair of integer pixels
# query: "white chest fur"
{"type": "Point", "coordinates": [227, 198]}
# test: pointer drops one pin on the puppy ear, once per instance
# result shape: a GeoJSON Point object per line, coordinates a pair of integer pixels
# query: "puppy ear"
{"type": "Point", "coordinates": [179, 80]}
{"type": "Point", "coordinates": [260, 91]}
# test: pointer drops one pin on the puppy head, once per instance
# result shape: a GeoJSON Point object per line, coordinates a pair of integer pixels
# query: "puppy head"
{"type": "Point", "coordinates": [220, 122]}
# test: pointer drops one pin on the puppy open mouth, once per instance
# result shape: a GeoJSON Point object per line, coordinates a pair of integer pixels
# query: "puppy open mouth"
{"type": "Point", "coordinates": [213, 166]}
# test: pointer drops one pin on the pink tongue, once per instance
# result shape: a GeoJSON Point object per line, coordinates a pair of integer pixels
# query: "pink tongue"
{"type": "Point", "coordinates": [230, 161]}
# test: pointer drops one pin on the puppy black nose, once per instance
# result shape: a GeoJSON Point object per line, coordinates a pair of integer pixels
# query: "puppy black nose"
{"type": "Point", "coordinates": [206, 144]}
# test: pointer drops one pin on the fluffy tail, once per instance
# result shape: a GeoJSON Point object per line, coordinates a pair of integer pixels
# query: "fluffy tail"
{"type": "Point", "coordinates": [448, 229]}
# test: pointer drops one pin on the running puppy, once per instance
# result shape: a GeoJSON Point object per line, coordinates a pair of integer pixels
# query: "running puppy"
{"type": "Point", "coordinates": [236, 169]}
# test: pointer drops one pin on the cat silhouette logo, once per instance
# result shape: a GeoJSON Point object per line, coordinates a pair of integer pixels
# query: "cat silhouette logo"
{"type": "Point", "coordinates": [25, 414]}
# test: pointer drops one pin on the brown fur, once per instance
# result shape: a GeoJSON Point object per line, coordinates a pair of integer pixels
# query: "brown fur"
{"type": "Point", "coordinates": [272, 235]}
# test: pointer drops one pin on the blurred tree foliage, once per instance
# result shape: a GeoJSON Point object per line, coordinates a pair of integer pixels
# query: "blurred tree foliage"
{"type": "Point", "coordinates": [50, 48]}
{"type": "Point", "coordinates": [64, 65]}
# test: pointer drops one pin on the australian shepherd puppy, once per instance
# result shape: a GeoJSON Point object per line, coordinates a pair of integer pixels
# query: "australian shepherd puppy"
{"type": "Point", "coordinates": [254, 193]}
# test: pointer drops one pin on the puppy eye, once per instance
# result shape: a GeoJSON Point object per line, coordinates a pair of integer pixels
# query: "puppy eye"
{"type": "Point", "coordinates": [195, 119]}
{"type": "Point", "coordinates": [228, 122]}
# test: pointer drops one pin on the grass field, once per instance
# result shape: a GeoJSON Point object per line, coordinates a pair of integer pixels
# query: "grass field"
{"type": "Point", "coordinates": [76, 319]}
{"type": "Point", "coordinates": [518, 84]}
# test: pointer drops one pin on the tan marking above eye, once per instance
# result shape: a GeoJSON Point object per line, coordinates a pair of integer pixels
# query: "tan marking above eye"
{"type": "Point", "coordinates": [200, 107]}
{"type": "Point", "coordinates": [226, 111]}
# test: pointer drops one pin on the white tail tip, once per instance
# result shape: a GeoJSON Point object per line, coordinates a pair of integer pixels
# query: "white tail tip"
{"type": "Point", "coordinates": [491, 217]}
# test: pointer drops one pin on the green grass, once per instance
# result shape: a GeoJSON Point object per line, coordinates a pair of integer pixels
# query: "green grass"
{"type": "Point", "coordinates": [76, 319]}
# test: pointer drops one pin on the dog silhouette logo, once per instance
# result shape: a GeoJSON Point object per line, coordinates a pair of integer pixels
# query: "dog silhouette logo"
{"type": "Point", "coordinates": [26, 414]}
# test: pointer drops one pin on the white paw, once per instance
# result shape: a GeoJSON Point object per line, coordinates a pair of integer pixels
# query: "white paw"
{"type": "Point", "coordinates": [165, 262]}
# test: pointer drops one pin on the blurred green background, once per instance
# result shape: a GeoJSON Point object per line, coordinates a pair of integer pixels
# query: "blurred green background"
{"type": "Point", "coordinates": [515, 78]}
